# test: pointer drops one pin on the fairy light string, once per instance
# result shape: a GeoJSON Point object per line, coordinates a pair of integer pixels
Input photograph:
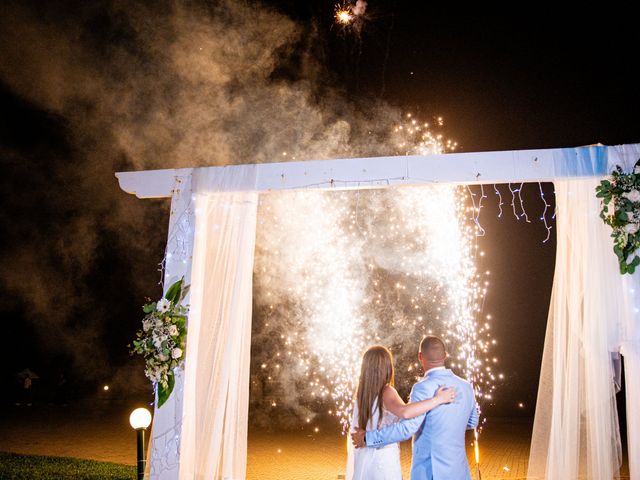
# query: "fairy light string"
{"type": "Point", "coordinates": [543, 217]}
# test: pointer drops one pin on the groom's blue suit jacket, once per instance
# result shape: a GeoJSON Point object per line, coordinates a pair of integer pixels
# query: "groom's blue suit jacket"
{"type": "Point", "coordinates": [438, 442]}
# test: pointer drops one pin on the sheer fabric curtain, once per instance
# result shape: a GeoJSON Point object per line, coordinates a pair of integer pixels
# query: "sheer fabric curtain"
{"type": "Point", "coordinates": [576, 431]}
{"type": "Point", "coordinates": [629, 329]}
{"type": "Point", "coordinates": [216, 391]}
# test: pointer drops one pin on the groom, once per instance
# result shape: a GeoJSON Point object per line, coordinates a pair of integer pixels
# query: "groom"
{"type": "Point", "coordinates": [438, 442]}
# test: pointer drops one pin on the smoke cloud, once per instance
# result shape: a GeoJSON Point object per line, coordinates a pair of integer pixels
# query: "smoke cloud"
{"type": "Point", "coordinates": [125, 86]}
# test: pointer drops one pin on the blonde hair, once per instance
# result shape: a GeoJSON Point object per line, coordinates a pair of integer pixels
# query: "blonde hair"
{"type": "Point", "coordinates": [376, 373]}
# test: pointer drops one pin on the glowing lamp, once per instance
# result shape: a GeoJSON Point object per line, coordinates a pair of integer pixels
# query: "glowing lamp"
{"type": "Point", "coordinates": [140, 418]}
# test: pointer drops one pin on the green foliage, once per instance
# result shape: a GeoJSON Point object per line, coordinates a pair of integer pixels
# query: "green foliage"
{"type": "Point", "coordinates": [163, 393]}
{"type": "Point", "coordinates": [620, 198]}
{"type": "Point", "coordinates": [16, 466]}
{"type": "Point", "coordinates": [162, 340]}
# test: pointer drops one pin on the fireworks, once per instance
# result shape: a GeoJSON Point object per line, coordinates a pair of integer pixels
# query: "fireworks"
{"type": "Point", "coordinates": [344, 16]}
{"type": "Point", "coordinates": [413, 137]}
{"type": "Point", "coordinates": [338, 271]}
{"type": "Point", "coordinates": [347, 13]}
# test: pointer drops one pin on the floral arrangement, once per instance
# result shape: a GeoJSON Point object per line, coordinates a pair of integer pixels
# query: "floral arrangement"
{"type": "Point", "coordinates": [621, 211]}
{"type": "Point", "coordinates": [163, 337]}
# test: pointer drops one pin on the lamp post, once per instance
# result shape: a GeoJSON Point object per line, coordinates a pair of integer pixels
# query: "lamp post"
{"type": "Point", "coordinates": [140, 419]}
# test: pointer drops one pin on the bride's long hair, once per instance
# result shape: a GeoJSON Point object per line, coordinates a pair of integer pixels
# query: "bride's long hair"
{"type": "Point", "coordinates": [375, 374]}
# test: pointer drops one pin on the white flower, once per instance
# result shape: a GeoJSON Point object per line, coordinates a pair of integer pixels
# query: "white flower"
{"type": "Point", "coordinates": [163, 305]}
{"type": "Point", "coordinates": [173, 330]}
{"type": "Point", "coordinates": [176, 353]}
{"type": "Point", "coordinates": [158, 322]}
{"type": "Point", "coordinates": [163, 357]}
{"type": "Point", "coordinates": [636, 170]}
{"type": "Point", "coordinates": [631, 228]}
{"type": "Point", "coordinates": [146, 325]}
{"type": "Point", "coordinates": [633, 195]}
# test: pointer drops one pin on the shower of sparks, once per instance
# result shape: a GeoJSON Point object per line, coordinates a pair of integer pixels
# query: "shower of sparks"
{"type": "Point", "coordinates": [312, 287]}
{"type": "Point", "coordinates": [413, 137]}
{"type": "Point", "coordinates": [338, 271]}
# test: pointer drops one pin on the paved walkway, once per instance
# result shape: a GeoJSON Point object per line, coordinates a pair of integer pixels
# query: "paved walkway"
{"type": "Point", "coordinates": [104, 434]}
{"type": "Point", "coordinates": [504, 449]}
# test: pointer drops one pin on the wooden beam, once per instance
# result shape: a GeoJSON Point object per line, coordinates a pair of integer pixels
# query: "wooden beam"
{"type": "Point", "coordinates": [375, 172]}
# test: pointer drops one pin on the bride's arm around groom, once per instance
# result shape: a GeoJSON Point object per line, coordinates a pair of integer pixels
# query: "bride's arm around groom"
{"type": "Point", "coordinates": [405, 428]}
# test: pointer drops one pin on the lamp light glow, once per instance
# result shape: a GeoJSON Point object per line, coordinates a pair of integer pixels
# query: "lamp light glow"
{"type": "Point", "coordinates": [140, 418]}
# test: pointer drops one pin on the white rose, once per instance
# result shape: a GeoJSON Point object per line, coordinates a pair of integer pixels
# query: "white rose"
{"type": "Point", "coordinates": [631, 228]}
{"type": "Point", "coordinates": [176, 353]}
{"type": "Point", "coordinates": [173, 330]}
{"type": "Point", "coordinates": [633, 195]}
{"type": "Point", "coordinates": [163, 305]}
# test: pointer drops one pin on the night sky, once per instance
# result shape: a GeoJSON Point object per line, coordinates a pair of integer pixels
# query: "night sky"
{"type": "Point", "coordinates": [98, 87]}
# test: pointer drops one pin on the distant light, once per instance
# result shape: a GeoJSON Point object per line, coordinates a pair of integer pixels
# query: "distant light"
{"type": "Point", "coordinates": [521, 405]}
{"type": "Point", "coordinates": [316, 429]}
{"type": "Point", "coordinates": [506, 469]}
{"type": "Point", "coordinates": [106, 388]}
{"type": "Point", "coordinates": [279, 450]}
{"type": "Point", "coordinates": [140, 418]}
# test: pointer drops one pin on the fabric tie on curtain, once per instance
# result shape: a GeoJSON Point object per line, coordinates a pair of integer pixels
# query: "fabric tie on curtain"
{"type": "Point", "coordinates": [216, 392]}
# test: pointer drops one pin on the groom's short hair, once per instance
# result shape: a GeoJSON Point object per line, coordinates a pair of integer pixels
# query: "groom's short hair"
{"type": "Point", "coordinates": [433, 348]}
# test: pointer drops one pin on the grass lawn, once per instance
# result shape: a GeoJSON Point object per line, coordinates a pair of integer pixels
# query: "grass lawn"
{"type": "Point", "coordinates": [16, 466]}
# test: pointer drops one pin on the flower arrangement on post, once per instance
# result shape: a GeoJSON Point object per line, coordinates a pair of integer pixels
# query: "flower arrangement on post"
{"type": "Point", "coordinates": [621, 211]}
{"type": "Point", "coordinates": [163, 337]}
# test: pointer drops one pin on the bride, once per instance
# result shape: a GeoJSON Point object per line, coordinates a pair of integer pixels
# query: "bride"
{"type": "Point", "coordinates": [375, 388]}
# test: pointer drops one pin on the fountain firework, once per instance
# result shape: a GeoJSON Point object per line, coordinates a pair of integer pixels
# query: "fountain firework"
{"type": "Point", "coordinates": [337, 271]}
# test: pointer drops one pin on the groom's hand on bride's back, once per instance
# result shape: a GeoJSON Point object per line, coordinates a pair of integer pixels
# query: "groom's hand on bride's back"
{"type": "Point", "coordinates": [357, 438]}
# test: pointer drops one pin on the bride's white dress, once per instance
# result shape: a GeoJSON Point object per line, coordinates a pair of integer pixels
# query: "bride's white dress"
{"type": "Point", "coordinates": [373, 463]}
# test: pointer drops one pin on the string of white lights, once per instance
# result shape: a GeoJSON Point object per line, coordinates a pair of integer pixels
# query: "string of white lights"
{"type": "Point", "coordinates": [476, 209]}
{"type": "Point", "coordinates": [543, 217]}
{"type": "Point", "coordinates": [500, 202]}
{"type": "Point", "coordinates": [513, 201]}
{"type": "Point", "coordinates": [524, 212]}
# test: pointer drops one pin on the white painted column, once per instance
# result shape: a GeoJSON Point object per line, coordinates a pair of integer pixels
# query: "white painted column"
{"type": "Point", "coordinates": [167, 421]}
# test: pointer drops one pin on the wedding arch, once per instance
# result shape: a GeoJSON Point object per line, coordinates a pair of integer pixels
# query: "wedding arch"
{"type": "Point", "coordinates": [592, 314]}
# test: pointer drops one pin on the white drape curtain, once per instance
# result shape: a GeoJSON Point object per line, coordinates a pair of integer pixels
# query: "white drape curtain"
{"type": "Point", "coordinates": [576, 431]}
{"type": "Point", "coordinates": [593, 311]}
{"type": "Point", "coordinates": [628, 334]}
{"type": "Point", "coordinates": [216, 392]}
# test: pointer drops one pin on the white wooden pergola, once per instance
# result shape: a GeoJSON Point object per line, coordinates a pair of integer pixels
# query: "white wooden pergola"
{"type": "Point", "coordinates": [355, 173]}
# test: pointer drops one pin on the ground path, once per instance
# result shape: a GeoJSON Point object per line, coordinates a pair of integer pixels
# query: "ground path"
{"type": "Point", "coordinates": [103, 433]}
